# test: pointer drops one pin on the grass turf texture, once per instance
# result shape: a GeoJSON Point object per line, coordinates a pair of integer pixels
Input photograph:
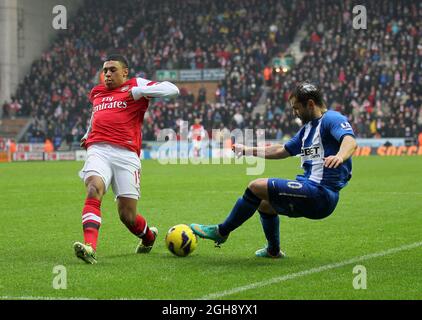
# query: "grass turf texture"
{"type": "Point", "coordinates": [40, 211]}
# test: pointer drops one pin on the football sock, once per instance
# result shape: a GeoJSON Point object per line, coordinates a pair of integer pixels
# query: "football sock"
{"type": "Point", "coordinates": [244, 208]}
{"type": "Point", "coordinates": [141, 229]}
{"type": "Point", "coordinates": [271, 226]}
{"type": "Point", "coordinates": [91, 221]}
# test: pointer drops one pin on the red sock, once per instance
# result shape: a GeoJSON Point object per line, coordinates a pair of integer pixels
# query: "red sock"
{"type": "Point", "coordinates": [141, 230]}
{"type": "Point", "coordinates": [91, 221]}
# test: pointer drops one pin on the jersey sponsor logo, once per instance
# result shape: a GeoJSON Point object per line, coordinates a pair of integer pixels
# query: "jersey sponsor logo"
{"type": "Point", "coordinates": [294, 185]}
{"type": "Point", "coordinates": [110, 105]}
{"type": "Point", "coordinates": [346, 126]}
{"type": "Point", "coordinates": [311, 153]}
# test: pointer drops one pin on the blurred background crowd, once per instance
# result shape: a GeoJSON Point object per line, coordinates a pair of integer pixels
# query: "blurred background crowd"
{"type": "Point", "coordinates": [373, 76]}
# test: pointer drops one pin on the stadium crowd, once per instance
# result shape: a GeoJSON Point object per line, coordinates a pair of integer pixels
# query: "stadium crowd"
{"type": "Point", "coordinates": [372, 75]}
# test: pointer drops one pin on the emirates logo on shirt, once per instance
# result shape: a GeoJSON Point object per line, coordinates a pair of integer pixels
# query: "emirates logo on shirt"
{"type": "Point", "coordinates": [109, 103]}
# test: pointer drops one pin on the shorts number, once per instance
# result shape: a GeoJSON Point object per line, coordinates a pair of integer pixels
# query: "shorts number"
{"type": "Point", "coordinates": [294, 185]}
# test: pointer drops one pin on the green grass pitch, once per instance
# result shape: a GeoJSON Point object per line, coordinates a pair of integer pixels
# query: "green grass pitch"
{"type": "Point", "coordinates": [380, 209]}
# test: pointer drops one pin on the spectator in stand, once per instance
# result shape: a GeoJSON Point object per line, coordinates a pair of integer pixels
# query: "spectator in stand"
{"type": "Point", "coordinates": [373, 77]}
{"type": "Point", "coordinates": [14, 108]}
{"type": "Point", "coordinates": [6, 109]}
{"type": "Point", "coordinates": [48, 146]}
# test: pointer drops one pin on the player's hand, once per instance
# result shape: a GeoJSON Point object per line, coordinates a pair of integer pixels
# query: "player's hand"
{"type": "Point", "coordinates": [333, 161]}
{"type": "Point", "coordinates": [239, 150]}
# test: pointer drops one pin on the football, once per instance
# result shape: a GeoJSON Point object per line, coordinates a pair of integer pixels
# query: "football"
{"type": "Point", "coordinates": [180, 240]}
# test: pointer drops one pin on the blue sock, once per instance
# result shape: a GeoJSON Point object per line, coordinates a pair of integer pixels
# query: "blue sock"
{"type": "Point", "coordinates": [271, 225]}
{"type": "Point", "coordinates": [244, 208]}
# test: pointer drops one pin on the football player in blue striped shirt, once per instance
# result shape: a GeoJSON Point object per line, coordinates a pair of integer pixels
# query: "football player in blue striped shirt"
{"type": "Point", "coordinates": [325, 143]}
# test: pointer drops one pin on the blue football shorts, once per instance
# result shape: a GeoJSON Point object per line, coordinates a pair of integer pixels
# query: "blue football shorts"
{"type": "Point", "coordinates": [297, 199]}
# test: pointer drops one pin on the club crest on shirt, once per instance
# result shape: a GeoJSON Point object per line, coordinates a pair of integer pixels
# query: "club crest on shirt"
{"type": "Point", "coordinates": [124, 89]}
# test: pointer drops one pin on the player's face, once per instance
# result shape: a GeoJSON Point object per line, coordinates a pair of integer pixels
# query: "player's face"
{"type": "Point", "coordinates": [304, 113]}
{"type": "Point", "coordinates": [114, 74]}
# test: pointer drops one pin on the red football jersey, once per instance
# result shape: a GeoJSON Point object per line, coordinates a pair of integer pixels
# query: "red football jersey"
{"type": "Point", "coordinates": [116, 117]}
{"type": "Point", "coordinates": [197, 132]}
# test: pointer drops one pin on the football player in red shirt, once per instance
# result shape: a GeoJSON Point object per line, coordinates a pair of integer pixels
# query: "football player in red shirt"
{"type": "Point", "coordinates": [113, 142]}
{"type": "Point", "coordinates": [197, 133]}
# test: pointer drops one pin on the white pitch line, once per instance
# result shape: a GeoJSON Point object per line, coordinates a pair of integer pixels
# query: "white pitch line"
{"type": "Point", "coordinates": [308, 272]}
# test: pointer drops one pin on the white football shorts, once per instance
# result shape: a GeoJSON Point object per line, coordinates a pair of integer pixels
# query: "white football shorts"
{"type": "Point", "coordinates": [197, 144]}
{"type": "Point", "coordinates": [117, 166]}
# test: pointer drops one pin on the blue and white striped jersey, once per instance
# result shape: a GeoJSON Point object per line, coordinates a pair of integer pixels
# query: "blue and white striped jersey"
{"type": "Point", "coordinates": [318, 139]}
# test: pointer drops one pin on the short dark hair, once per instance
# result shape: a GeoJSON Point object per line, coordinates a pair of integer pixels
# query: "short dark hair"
{"type": "Point", "coordinates": [305, 91]}
{"type": "Point", "coordinates": [118, 57]}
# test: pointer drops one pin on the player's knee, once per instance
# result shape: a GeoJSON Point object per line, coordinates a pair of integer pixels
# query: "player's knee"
{"type": "Point", "coordinates": [94, 191]}
{"type": "Point", "coordinates": [265, 208]}
{"type": "Point", "coordinates": [252, 186]}
{"type": "Point", "coordinates": [258, 187]}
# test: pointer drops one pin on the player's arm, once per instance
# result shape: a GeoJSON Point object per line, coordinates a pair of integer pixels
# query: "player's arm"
{"type": "Point", "coordinates": [347, 148]}
{"type": "Point", "coordinates": [275, 151]}
{"type": "Point", "coordinates": [150, 89]}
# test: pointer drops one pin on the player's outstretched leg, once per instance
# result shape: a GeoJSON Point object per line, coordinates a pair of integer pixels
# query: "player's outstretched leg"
{"type": "Point", "coordinates": [244, 208]}
{"type": "Point", "coordinates": [210, 232]}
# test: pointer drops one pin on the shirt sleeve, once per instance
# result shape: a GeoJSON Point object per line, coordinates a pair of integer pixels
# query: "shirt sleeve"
{"type": "Point", "coordinates": [144, 82]}
{"type": "Point", "coordinates": [151, 89]}
{"type": "Point", "coordinates": [339, 126]}
{"type": "Point", "coordinates": [294, 145]}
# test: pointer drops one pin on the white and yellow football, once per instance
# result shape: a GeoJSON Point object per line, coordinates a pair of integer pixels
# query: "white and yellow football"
{"type": "Point", "coordinates": [180, 240]}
